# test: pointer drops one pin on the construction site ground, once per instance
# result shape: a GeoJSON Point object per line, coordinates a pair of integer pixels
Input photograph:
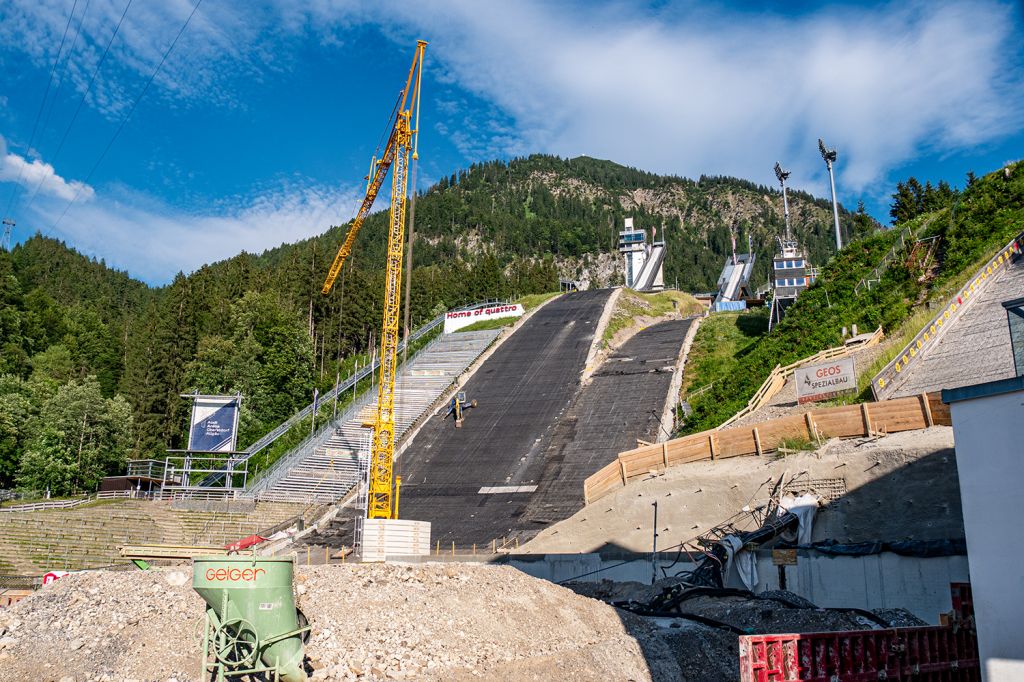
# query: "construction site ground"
{"type": "Point", "coordinates": [898, 487]}
{"type": "Point", "coordinates": [442, 622]}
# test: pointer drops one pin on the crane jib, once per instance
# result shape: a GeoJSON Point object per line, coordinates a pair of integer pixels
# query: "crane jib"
{"type": "Point", "coordinates": [381, 497]}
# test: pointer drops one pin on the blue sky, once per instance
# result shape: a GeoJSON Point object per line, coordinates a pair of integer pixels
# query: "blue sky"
{"type": "Point", "coordinates": [258, 128]}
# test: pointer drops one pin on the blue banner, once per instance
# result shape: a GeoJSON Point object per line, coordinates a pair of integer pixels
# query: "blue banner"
{"type": "Point", "coordinates": [214, 420]}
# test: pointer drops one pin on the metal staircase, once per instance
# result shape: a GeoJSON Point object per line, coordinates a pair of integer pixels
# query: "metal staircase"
{"type": "Point", "coordinates": [327, 465]}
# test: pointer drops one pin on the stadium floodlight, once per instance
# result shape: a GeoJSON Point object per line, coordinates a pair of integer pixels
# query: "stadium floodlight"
{"type": "Point", "coordinates": [782, 175]}
{"type": "Point", "coordinates": [829, 155]}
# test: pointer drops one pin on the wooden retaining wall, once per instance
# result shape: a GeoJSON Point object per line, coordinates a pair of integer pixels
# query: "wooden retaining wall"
{"type": "Point", "coordinates": [847, 421]}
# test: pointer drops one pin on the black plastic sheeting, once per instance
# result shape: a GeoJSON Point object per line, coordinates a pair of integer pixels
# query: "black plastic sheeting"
{"type": "Point", "coordinates": [522, 391]}
{"type": "Point", "coordinates": [916, 548]}
{"type": "Point", "coordinates": [535, 425]}
{"type": "Point", "coordinates": [623, 402]}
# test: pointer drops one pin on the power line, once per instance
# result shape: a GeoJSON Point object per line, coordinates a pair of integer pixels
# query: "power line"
{"type": "Point", "coordinates": [64, 70]}
{"type": "Point", "coordinates": [128, 116]}
{"type": "Point", "coordinates": [42, 105]}
{"type": "Point", "coordinates": [81, 102]}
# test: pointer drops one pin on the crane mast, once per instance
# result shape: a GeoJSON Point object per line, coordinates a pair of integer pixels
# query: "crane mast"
{"type": "Point", "coordinates": [382, 502]}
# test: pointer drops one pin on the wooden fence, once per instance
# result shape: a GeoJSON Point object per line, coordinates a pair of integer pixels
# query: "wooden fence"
{"type": "Point", "coordinates": [777, 379]}
{"type": "Point", "coordinates": [847, 421]}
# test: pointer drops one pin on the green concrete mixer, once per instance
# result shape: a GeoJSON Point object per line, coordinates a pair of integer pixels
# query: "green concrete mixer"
{"type": "Point", "coordinates": [252, 625]}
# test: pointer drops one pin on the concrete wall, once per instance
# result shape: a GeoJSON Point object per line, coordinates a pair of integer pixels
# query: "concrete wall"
{"type": "Point", "coordinates": [990, 450]}
{"type": "Point", "coordinates": [877, 581]}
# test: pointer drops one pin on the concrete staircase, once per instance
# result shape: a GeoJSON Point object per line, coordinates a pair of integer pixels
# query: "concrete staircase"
{"type": "Point", "coordinates": [32, 543]}
{"type": "Point", "coordinates": [327, 466]}
{"type": "Point", "coordinates": [976, 348]}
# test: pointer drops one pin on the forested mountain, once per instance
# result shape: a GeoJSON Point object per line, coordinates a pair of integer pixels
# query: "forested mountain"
{"type": "Point", "coordinates": [92, 362]}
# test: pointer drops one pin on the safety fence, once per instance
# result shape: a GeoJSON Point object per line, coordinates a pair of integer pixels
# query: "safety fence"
{"type": "Point", "coordinates": [777, 379]}
{"type": "Point", "coordinates": [943, 653]}
{"type": "Point", "coordinates": [885, 383]}
{"type": "Point", "coordinates": [49, 504]}
{"type": "Point", "coordinates": [846, 421]}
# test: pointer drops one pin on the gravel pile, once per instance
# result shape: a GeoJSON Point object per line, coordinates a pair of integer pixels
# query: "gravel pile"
{"type": "Point", "coordinates": [371, 622]}
{"type": "Point", "coordinates": [105, 625]}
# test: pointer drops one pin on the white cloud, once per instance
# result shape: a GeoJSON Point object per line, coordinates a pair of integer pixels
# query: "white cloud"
{"type": "Point", "coordinates": [688, 90]}
{"type": "Point", "coordinates": [151, 239]}
{"type": "Point", "coordinates": [221, 42]}
{"type": "Point", "coordinates": [38, 176]}
{"type": "Point", "coordinates": [683, 88]}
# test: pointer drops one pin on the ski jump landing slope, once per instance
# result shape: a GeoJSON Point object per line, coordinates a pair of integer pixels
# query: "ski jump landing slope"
{"type": "Point", "coordinates": [519, 460]}
{"type": "Point", "coordinates": [522, 390]}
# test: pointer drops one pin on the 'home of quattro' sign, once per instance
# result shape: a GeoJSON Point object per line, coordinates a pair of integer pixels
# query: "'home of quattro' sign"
{"type": "Point", "coordinates": [458, 319]}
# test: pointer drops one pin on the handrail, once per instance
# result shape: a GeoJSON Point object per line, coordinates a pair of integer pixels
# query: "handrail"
{"type": "Point", "coordinates": [353, 379]}
{"type": "Point", "coordinates": [883, 384]}
{"type": "Point", "coordinates": [53, 504]}
{"type": "Point", "coordinates": [778, 376]}
{"type": "Point", "coordinates": [890, 255]}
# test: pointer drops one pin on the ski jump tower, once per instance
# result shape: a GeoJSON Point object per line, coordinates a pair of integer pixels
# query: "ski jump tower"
{"type": "Point", "coordinates": [643, 262]}
{"type": "Point", "coordinates": [791, 273]}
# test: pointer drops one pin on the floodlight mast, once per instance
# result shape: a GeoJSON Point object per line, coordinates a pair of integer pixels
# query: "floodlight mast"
{"type": "Point", "coordinates": [782, 175]}
{"type": "Point", "coordinates": [829, 155]}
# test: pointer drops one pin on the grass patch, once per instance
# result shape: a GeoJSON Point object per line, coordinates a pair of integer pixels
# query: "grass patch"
{"type": "Point", "coordinates": [787, 446]}
{"type": "Point", "coordinates": [531, 301]}
{"type": "Point", "coordinates": [896, 341]}
{"type": "Point", "coordinates": [496, 323]}
{"type": "Point", "coordinates": [721, 341]}
{"type": "Point", "coordinates": [633, 304]}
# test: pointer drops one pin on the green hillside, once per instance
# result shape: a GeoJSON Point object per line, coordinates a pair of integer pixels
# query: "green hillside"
{"type": "Point", "coordinates": [969, 227]}
{"type": "Point", "coordinates": [93, 361]}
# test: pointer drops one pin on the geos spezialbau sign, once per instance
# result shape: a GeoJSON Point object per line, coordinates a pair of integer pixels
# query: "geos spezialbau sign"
{"type": "Point", "coordinates": [827, 380]}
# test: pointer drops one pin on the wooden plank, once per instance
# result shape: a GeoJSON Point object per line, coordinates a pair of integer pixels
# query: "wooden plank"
{"type": "Point", "coordinates": [866, 415]}
{"type": "Point", "coordinates": [711, 445]}
{"type": "Point", "coordinates": [926, 409]}
{"type": "Point", "coordinates": [940, 410]}
{"type": "Point", "coordinates": [681, 452]}
{"type": "Point", "coordinates": [757, 441]}
{"type": "Point", "coordinates": [622, 469]}
{"type": "Point", "coordinates": [637, 466]}
{"type": "Point", "coordinates": [894, 424]}
{"type": "Point", "coordinates": [664, 454]}
{"type": "Point", "coordinates": [809, 419]}
{"type": "Point", "coordinates": [841, 422]}
{"type": "Point", "coordinates": [737, 441]}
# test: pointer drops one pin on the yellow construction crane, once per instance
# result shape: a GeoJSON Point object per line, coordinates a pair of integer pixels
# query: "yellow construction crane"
{"type": "Point", "coordinates": [403, 140]}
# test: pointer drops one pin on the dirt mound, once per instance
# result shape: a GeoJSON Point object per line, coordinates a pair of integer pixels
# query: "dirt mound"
{"type": "Point", "coordinates": [369, 622]}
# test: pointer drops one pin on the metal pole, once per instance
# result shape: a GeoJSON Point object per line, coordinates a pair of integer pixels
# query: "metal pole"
{"type": "Point", "coordinates": [835, 206]}
{"type": "Point", "coordinates": [785, 209]}
{"type": "Point", "coordinates": [654, 546]}
{"type": "Point", "coordinates": [337, 383]}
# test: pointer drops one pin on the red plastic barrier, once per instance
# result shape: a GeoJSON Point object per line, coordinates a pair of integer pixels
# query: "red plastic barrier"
{"type": "Point", "coordinates": [925, 654]}
{"type": "Point", "coordinates": [963, 603]}
{"type": "Point", "coordinates": [945, 653]}
{"type": "Point", "coordinates": [245, 543]}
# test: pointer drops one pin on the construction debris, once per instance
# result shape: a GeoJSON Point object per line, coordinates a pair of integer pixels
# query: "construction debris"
{"type": "Point", "coordinates": [444, 622]}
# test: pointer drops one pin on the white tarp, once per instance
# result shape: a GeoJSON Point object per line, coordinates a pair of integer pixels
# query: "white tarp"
{"type": "Point", "coordinates": [804, 507]}
{"type": "Point", "coordinates": [744, 561]}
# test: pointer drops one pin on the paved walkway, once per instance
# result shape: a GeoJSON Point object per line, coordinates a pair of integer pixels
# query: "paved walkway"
{"type": "Point", "coordinates": [976, 348]}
